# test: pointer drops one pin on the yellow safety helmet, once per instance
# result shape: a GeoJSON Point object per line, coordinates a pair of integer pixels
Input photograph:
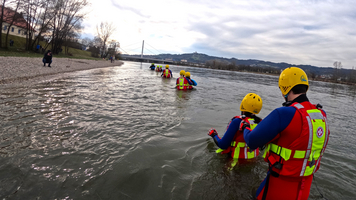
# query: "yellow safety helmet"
{"type": "Point", "coordinates": [187, 74]}
{"type": "Point", "coordinates": [291, 77]}
{"type": "Point", "coordinates": [167, 66]}
{"type": "Point", "coordinates": [182, 72]}
{"type": "Point", "coordinates": [251, 103]}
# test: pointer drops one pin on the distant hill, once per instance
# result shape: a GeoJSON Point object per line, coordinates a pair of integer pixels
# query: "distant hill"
{"type": "Point", "coordinates": [203, 58]}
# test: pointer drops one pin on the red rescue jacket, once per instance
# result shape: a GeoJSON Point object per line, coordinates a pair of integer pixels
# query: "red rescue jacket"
{"type": "Point", "coordinates": [238, 148]}
{"type": "Point", "coordinates": [298, 149]}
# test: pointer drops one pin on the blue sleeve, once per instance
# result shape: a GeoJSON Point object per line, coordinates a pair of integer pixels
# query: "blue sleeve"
{"type": "Point", "coordinates": [189, 81]}
{"type": "Point", "coordinates": [226, 140]}
{"type": "Point", "coordinates": [269, 127]}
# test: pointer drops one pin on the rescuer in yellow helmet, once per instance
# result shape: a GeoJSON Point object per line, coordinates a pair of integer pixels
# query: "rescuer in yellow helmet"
{"type": "Point", "coordinates": [152, 66]}
{"type": "Point", "coordinates": [233, 142]}
{"type": "Point", "coordinates": [294, 136]}
{"type": "Point", "coordinates": [190, 81]}
{"type": "Point", "coordinates": [182, 82]}
{"type": "Point", "coordinates": [167, 73]}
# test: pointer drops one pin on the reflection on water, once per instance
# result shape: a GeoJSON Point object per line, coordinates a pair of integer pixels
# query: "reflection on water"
{"type": "Point", "coordinates": [126, 133]}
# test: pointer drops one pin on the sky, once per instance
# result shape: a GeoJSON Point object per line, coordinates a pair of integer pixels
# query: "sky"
{"type": "Point", "coordinates": [307, 32]}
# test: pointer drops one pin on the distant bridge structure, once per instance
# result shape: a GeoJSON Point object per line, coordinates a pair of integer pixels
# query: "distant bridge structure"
{"type": "Point", "coordinates": [151, 59]}
{"type": "Point", "coordinates": [142, 58]}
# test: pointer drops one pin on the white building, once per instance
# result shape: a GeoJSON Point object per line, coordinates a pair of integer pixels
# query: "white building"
{"type": "Point", "coordinates": [19, 26]}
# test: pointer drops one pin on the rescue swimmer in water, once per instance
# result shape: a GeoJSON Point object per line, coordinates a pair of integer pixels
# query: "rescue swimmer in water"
{"type": "Point", "coordinates": [158, 68]}
{"type": "Point", "coordinates": [167, 73]}
{"type": "Point", "coordinates": [295, 137]}
{"type": "Point", "coordinates": [182, 82]}
{"type": "Point", "coordinates": [187, 76]}
{"type": "Point", "coordinates": [152, 67]}
{"type": "Point", "coordinates": [233, 143]}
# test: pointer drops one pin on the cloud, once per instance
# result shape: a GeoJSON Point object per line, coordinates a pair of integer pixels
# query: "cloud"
{"type": "Point", "coordinates": [294, 31]}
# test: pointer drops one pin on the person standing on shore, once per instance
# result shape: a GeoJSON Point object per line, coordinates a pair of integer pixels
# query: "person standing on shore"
{"type": "Point", "coordinates": [47, 58]}
{"type": "Point", "coordinates": [295, 137]}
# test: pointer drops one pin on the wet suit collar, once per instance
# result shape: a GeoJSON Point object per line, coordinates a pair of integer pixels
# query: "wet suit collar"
{"type": "Point", "coordinates": [300, 99]}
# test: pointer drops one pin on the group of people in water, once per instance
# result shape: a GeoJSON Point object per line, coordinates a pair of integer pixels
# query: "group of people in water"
{"type": "Point", "coordinates": [293, 137]}
{"type": "Point", "coordinates": [184, 82]}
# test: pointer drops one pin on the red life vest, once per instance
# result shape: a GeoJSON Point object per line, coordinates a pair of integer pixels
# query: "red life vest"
{"type": "Point", "coordinates": [166, 73]}
{"type": "Point", "coordinates": [297, 150]}
{"type": "Point", "coordinates": [239, 148]}
{"type": "Point", "coordinates": [182, 83]}
{"type": "Point", "coordinates": [190, 87]}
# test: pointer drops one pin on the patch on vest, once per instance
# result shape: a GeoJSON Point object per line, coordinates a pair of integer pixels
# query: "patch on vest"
{"type": "Point", "coordinates": [320, 132]}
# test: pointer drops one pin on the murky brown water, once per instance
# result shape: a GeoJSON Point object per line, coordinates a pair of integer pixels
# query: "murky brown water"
{"type": "Point", "coordinates": [125, 133]}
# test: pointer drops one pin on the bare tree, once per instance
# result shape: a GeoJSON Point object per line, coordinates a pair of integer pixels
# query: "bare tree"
{"type": "Point", "coordinates": [113, 47]}
{"type": "Point", "coordinates": [104, 32]}
{"type": "Point", "coordinates": [67, 19]}
{"type": "Point", "coordinates": [42, 22]}
{"type": "Point", "coordinates": [2, 19]}
{"type": "Point", "coordinates": [32, 12]}
{"type": "Point", "coordinates": [12, 17]}
{"type": "Point", "coordinates": [337, 70]}
{"type": "Point", "coordinates": [87, 42]}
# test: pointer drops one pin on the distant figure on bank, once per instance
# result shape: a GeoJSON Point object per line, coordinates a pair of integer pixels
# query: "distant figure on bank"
{"type": "Point", "coordinates": [38, 48]}
{"type": "Point", "coordinates": [152, 66]}
{"type": "Point", "coordinates": [11, 42]}
{"type": "Point", "coordinates": [47, 58]}
{"type": "Point", "coordinates": [113, 58]}
{"type": "Point", "coordinates": [167, 73]}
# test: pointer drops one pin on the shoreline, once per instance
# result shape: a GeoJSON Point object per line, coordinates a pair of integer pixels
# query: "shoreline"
{"type": "Point", "coordinates": [17, 70]}
{"type": "Point", "coordinates": [272, 74]}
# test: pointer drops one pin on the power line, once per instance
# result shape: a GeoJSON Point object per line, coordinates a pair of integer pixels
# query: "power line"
{"type": "Point", "coordinates": [131, 44]}
{"type": "Point", "coordinates": [151, 51]}
{"type": "Point", "coordinates": [123, 49]}
{"type": "Point", "coordinates": [153, 48]}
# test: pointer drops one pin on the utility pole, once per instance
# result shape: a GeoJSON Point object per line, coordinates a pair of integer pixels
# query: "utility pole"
{"type": "Point", "coordinates": [143, 44]}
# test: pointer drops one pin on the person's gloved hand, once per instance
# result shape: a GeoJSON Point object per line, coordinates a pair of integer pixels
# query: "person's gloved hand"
{"type": "Point", "coordinates": [244, 125]}
{"type": "Point", "coordinates": [212, 133]}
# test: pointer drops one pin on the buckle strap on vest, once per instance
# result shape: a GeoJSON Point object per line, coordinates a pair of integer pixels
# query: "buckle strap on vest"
{"type": "Point", "coordinates": [285, 153]}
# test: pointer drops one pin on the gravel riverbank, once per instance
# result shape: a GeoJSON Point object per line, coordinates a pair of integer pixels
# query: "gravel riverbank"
{"type": "Point", "coordinates": [22, 69]}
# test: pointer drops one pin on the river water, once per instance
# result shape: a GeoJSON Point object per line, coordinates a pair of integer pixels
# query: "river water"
{"type": "Point", "coordinates": [125, 133]}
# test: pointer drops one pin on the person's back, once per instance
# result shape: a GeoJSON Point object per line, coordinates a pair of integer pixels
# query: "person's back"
{"type": "Point", "coordinates": [191, 82]}
{"type": "Point", "coordinates": [232, 142]}
{"type": "Point", "coordinates": [295, 136]}
{"type": "Point", "coordinates": [167, 73]}
{"type": "Point", "coordinates": [152, 67]}
{"type": "Point", "coordinates": [182, 83]}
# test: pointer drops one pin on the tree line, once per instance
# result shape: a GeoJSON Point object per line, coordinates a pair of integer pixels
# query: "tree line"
{"type": "Point", "coordinates": [102, 45]}
{"type": "Point", "coordinates": [338, 75]}
{"type": "Point", "coordinates": [224, 65]}
{"type": "Point", "coordinates": [58, 22]}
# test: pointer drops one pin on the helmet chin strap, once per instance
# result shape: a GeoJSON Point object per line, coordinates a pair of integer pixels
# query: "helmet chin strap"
{"type": "Point", "coordinates": [286, 97]}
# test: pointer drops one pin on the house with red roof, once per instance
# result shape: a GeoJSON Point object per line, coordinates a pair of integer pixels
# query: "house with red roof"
{"type": "Point", "coordinates": [19, 27]}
